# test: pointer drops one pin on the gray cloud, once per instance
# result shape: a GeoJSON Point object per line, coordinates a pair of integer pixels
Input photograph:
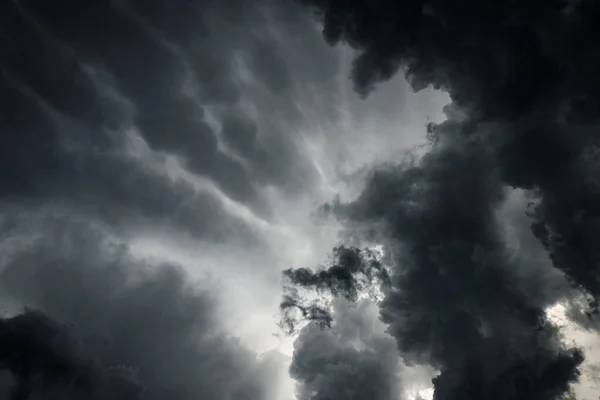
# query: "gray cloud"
{"type": "Point", "coordinates": [351, 273]}
{"type": "Point", "coordinates": [523, 95]}
{"type": "Point", "coordinates": [189, 77]}
{"type": "Point", "coordinates": [350, 361]}
{"type": "Point", "coordinates": [185, 116]}
{"type": "Point", "coordinates": [169, 118]}
{"type": "Point", "coordinates": [46, 361]}
{"type": "Point", "coordinates": [454, 302]}
{"type": "Point", "coordinates": [120, 311]}
{"type": "Point", "coordinates": [526, 71]}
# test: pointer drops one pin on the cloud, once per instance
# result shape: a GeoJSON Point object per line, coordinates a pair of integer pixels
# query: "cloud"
{"type": "Point", "coordinates": [453, 302]}
{"type": "Point", "coordinates": [184, 83]}
{"type": "Point", "coordinates": [100, 308]}
{"type": "Point", "coordinates": [523, 93]}
{"type": "Point", "coordinates": [350, 361]}
{"type": "Point", "coordinates": [186, 116]}
{"type": "Point", "coordinates": [525, 69]}
{"type": "Point", "coordinates": [42, 357]}
{"type": "Point", "coordinates": [351, 274]}
{"type": "Point", "coordinates": [178, 125]}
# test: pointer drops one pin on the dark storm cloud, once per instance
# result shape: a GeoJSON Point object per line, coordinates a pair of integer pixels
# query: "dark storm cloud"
{"type": "Point", "coordinates": [42, 357]}
{"type": "Point", "coordinates": [104, 309]}
{"type": "Point", "coordinates": [521, 78]}
{"type": "Point", "coordinates": [74, 76]}
{"type": "Point", "coordinates": [352, 273]}
{"type": "Point", "coordinates": [528, 67]}
{"type": "Point", "coordinates": [454, 303]}
{"type": "Point", "coordinates": [85, 88]}
{"type": "Point", "coordinates": [349, 362]}
{"type": "Point", "coordinates": [49, 157]}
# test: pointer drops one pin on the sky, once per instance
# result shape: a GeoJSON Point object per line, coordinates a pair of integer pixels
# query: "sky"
{"type": "Point", "coordinates": [298, 200]}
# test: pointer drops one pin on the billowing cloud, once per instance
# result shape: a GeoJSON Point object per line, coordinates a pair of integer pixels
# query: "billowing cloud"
{"type": "Point", "coordinates": [105, 314]}
{"type": "Point", "coordinates": [45, 360]}
{"type": "Point", "coordinates": [351, 361]}
{"type": "Point", "coordinates": [523, 93]}
{"type": "Point", "coordinates": [159, 97]}
{"type": "Point", "coordinates": [169, 120]}
{"type": "Point", "coordinates": [454, 303]}
{"type": "Point", "coordinates": [142, 116]}
{"type": "Point", "coordinates": [199, 119]}
{"type": "Point", "coordinates": [521, 79]}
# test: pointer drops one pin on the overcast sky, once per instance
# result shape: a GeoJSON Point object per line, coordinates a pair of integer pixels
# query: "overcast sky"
{"type": "Point", "coordinates": [161, 164]}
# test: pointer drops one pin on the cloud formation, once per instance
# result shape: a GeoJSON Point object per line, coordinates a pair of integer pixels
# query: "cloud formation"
{"type": "Point", "coordinates": [522, 115]}
{"type": "Point", "coordinates": [521, 78]}
{"type": "Point", "coordinates": [158, 96]}
{"type": "Point", "coordinates": [140, 117]}
{"type": "Point", "coordinates": [353, 272]}
{"type": "Point", "coordinates": [351, 361]}
{"type": "Point", "coordinates": [43, 358]}
{"type": "Point", "coordinates": [100, 308]}
{"type": "Point", "coordinates": [185, 116]}
{"type": "Point", "coordinates": [163, 119]}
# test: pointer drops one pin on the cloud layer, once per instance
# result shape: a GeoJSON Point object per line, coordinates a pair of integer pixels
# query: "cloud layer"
{"type": "Point", "coordinates": [102, 309]}
{"type": "Point", "coordinates": [521, 80]}
{"type": "Point", "coordinates": [126, 118]}
{"type": "Point", "coordinates": [209, 129]}
{"type": "Point", "coordinates": [523, 93]}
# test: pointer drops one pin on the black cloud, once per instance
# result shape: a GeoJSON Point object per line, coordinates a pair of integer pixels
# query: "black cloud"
{"type": "Point", "coordinates": [43, 357]}
{"type": "Point", "coordinates": [352, 273]}
{"type": "Point", "coordinates": [522, 115]}
{"type": "Point", "coordinates": [524, 68]}
{"type": "Point", "coordinates": [76, 77]}
{"type": "Point", "coordinates": [350, 361]}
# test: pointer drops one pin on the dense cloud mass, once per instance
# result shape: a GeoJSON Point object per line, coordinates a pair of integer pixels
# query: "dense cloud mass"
{"type": "Point", "coordinates": [42, 356]}
{"type": "Point", "coordinates": [522, 79]}
{"type": "Point", "coordinates": [99, 323]}
{"type": "Point", "coordinates": [113, 327]}
{"type": "Point", "coordinates": [349, 362]}
{"type": "Point", "coordinates": [140, 116]}
{"type": "Point", "coordinates": [523, 115]}
{"type": "Point", "coordinates": [188, 120]}
{"type": "Point", "coordinates": [104, 89]}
